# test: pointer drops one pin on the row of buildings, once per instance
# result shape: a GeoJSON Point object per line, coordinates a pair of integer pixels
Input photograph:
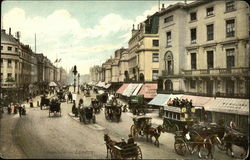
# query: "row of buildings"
{"type": "Point", "coordinates": [199, 48]}
{"type": "Point", "coordinates": [24, 72]}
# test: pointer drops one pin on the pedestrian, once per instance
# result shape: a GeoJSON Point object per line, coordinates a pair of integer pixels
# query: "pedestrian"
{"type": "Point", "coordinates": [20, 109]}
{"type": "Point", "coordinates": [23, 110]}
{"type": "Point", "coordinates": [12, 107]}
{"type": "Point", "coordinates": [130, 139]}
{"type": "Point", "coordinates": [232, 124]}
{"type": "Point", "coordinates": [31, 103]}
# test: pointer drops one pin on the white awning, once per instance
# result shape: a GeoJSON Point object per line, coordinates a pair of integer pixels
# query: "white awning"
{"type": "Point", "coordinates": [130, 89]}
{"type": "Point", "coordinates": [228, 105]}
{"type": "Point", "coordinates": [137, 89]}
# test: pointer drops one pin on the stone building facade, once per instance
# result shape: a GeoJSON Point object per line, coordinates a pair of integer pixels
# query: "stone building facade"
{"type": "Point", "coordinates": [204, 48]}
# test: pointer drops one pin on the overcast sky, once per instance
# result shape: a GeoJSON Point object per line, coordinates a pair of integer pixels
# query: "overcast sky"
{"type": "Point", "coordinates": [82, 33]}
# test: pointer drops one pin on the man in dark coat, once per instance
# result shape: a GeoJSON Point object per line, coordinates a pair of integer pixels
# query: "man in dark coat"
{"type": "Point", "coordinates": [20, 109]}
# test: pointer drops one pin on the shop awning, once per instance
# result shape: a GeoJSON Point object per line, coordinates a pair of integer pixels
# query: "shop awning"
{"type": "Point", "coordinates": [137, 89]}
{"type": "Point", "coordinates": [149, 90]}
{"type": "Point", "coordinates": [228, 105]}
{"type": "Point", "coordinates": [130, 89]}
{"type": "Point", "coordinates": [122, 88]}
{"type": "Point", "coordinates": [159, 99]}
{"type": "Point", "coordinates": [197, 100]}
{"type": "Point", "coordinates": [100, 84]}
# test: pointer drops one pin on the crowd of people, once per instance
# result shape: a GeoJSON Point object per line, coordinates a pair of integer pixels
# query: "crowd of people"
{"type": "Point", "coordinates": [177, 102]}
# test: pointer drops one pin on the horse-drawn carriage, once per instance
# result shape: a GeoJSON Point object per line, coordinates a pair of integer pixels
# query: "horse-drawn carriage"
{"type": "Point", "coordinates": [113, 112]}
{"type": "Point", "coordinates": [96, 105]}
{"type": "Point", "coordinates": [45, 102]}
{"type": "Point", "coordinates": [87, 93]}
{"type": "Point", "coordinates": [55, 107]}
{"type": "Point", "coordinates": [102, 98]}
{"type": "Point", "coordinates": [202, 136]}
{"type": "Point", "coordinates": [143, 126]}
{"type": "Point", "coordinates": [87, 115]}
{"type": "Point", "coordinates": [137, 105]}
{"type": "Point", "coordinates": [122, 150]}
{"type": "Point", "coordinates": [61, 95]}
{"type": "Point", "coordinates": [234, 137]}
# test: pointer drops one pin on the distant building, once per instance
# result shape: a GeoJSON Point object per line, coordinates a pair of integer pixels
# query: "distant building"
{"type": "Point", "coordinates": [143, 51]}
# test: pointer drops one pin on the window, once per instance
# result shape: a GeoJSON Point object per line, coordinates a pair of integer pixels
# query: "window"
{"type": "Point", "coordinates": [16, 64]}
{"type": "Point", "coordinates": [193, 35]}
{"type": "Point", "coordinates": [210, 32]}
{"type": "Point", "coordinates": [210, 11]}
{"type": "Point", "coordinates": [168, 38]}
{"type": "Point", "coordinates": [192, 84]}
{"type": "Point", "coordinates": [168, 19]}
{"type": "Point", "coordinates": [1, 47]}
{"type": "Point", "coordinates": [230, 28]}
{"type": "Point", "coordinates": [210, 59]}
{"type": "Point", "coordinates": [155, 57]}
{"type": "Point", "coordinates": [230, 6]}
{"type": "Point", "coordinates": [15, 76]}
{"type": "Point", "coordinates": [193, 16]}
{"type": "Point", "coordinates": [9, 75]}
{"type": "Point", "coordinates": [9, 63]}
{"type": "Point", "coordinates": [230, 57]}
{"type": "Point", "coordinates": [193, 60]}
{"type": "Point", "coordinates": [155, 42]}
{"type": "Point", "coordinates": [9, 48]}
{"type": "Point", "coordinates": [1, 62]}
{"type": "Point", "coordinates": [15, 49]}
{"type": "Point", "coordinates": [155, 75]}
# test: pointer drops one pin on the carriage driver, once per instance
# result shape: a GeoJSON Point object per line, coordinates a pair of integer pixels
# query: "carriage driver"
{"type": "Point", "coordinates": [130, 139]}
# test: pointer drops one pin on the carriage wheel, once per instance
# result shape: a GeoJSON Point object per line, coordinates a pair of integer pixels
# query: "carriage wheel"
{"type": "Point", "coordinates": [180, 147]}
{"type": "Point", "coordinates": [49, 113]}
{"type": "Point", "coordinates": [84, 120]}
{"type": "Point", "coordinates": [139, 153]}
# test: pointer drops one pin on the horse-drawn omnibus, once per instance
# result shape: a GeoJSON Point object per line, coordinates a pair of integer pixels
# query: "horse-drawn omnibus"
{"type": "Point", "coordinates": [179, 113]}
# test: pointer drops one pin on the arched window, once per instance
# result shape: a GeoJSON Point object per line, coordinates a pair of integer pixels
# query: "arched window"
{"type": "Point", "coordinates": [169, 62]}
{"type": "Point", "coordinates": [169, 86]}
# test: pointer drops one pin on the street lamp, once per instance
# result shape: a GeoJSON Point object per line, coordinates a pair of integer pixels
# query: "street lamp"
{"type": "Point", "coordinates": [75, 72]}
{"type": "Point", "coordinates": [78, 82]}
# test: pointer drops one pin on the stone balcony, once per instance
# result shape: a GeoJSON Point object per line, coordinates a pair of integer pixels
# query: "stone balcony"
{"type": "Point", "coordinates": [244, 71]}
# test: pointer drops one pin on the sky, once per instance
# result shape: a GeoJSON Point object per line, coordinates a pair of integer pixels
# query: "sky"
{"type": "Point", "coordinates": [81, 33]}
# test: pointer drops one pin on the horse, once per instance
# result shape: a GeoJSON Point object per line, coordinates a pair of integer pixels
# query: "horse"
{"type": "Point", "coordinates": [231, 137]}
{"type": "Point", "coordinates": [109, 143]}
{"type": "Point", "coordinates": [153, 132]}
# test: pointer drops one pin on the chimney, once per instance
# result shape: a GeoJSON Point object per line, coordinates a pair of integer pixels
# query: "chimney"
{"type": "Point", "coordinates": [9, 31]}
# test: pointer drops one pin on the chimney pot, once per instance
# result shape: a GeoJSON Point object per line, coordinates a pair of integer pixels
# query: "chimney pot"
{"type": "Point", "coordinates": [9, 31]}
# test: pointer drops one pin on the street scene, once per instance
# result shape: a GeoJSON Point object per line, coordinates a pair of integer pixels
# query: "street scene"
{"type": "Point", "coordinates": [125, 80]}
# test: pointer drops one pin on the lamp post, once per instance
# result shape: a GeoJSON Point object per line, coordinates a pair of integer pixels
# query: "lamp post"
{"type": "Point", "coordinates": [78, 82]}
{"type": "Point", "coordinates": [75, 72]}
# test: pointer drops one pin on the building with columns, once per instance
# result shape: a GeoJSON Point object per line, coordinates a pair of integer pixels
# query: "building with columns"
{"type": "Point", "coordinates": [204, 48]}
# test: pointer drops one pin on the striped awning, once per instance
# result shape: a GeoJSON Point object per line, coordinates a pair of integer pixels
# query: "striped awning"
{"type": "Point", "coordinates": [122, 88]}
{"type": "Point", "coordinates": [130, 89]}
{"type": "Point", "coordinates": [137, 89]}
